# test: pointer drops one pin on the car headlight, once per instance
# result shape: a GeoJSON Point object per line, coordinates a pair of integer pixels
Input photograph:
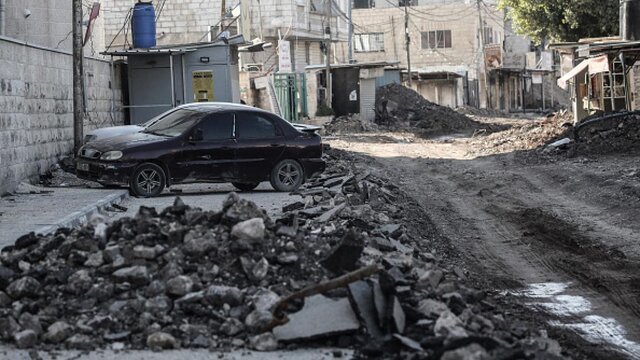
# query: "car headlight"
{"type": "Point", "coordinates": [111, 155]}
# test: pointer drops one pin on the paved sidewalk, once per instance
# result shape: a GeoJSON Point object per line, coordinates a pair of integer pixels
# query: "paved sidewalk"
{"type": "Point", "coordinates": [53, 207]}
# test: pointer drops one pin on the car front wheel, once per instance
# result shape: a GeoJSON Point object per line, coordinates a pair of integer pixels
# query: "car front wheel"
{"type": "Point", "coordinates": [245, 186]}
{"type": "Point", "coordinates": [287, 175]}
{"type": "Point", "coordinates": [148, 180]}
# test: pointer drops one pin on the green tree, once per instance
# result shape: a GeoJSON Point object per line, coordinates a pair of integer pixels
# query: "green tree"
{"type": "Point", "coordinates": [563, 20]}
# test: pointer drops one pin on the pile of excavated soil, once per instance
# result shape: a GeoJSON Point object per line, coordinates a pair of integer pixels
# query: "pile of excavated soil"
{"type": "Point", "coordinates": [616, 133]}
{"type": "Point", "coordinates": [344, 125]}
{"type": "Point", "coordinates": [525, 135]}
{"type": "Point", "coordinates": [398, 106]}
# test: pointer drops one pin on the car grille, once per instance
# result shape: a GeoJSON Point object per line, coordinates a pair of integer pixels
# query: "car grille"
{"type": "Point", "coordinates": [90, 153]}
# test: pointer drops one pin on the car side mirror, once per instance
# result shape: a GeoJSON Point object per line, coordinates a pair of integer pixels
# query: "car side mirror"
{"type": "Point", "coordinates": [196, 135]}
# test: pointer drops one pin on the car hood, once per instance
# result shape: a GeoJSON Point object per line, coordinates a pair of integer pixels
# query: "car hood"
{"type": "Point", "coordinates": [99, 134]}
{"type": "Point", "coordinates": [126, 141]}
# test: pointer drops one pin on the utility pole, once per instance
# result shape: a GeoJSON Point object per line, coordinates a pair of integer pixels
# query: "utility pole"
{"type": "Point", "coordinates": [78, 71]}
{"type": "Point", "coordinates": [327, 36]}
{"type": "Point", "coordinates": [223, 13]}
{"type": "Point", "coordinates": [407, 39]}
{"type": "Point", "coordinates": [482, 57]}
{"type": "Point", "coordinates": [350, 27]}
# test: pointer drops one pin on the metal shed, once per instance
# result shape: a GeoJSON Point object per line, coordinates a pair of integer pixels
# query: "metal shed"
{"type": "Point", "coordinates": [354, 85]}
{"type": "Point", "coordinates": [165, 77]}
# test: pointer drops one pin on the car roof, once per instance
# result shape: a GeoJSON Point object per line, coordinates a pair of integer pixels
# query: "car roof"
{"type": "Point", "coordinates": [218, 107]}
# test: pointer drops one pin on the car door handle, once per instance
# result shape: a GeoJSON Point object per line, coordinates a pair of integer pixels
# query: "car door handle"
{"type": "Point", "coordinates": [276, 145]}
{"type": "Point", "coordinates": [205, 157]}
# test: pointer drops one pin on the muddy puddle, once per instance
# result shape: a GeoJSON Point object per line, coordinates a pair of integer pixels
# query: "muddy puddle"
{"type": "Point", "coordinates": [579, 313]}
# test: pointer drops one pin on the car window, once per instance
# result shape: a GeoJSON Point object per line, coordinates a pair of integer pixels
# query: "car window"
{"type": "Point", "coordinates": [217, 127]}
{"type": "Point", "coordinates": [255, 126]}
{"type": "Point", "coordinates": [175, 123]}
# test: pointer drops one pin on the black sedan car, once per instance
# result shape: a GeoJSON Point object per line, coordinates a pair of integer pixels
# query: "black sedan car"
{"type": "Point", "coordinates": [205, 142]}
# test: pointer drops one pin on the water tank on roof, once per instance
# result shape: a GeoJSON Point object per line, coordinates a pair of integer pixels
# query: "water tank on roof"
{"type": "Point", "coordinates": [630, 20]}
{"type": "Point", "coordinates": [143, 25]}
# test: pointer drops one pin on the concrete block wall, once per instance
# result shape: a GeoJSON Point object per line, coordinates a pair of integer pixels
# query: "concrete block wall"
{"type": "Point", "coordinates": [36, 108]}
{"type": "Point", "coordinates": [48, 25]}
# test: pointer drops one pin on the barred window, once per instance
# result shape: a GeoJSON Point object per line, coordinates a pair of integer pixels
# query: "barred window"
{"type": "Point", "coordinates": [369, 42]}
{"type": "Point", "coordinates": [439, 39]}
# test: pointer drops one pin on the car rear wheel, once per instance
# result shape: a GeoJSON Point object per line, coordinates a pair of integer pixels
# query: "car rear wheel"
{"type": "Point", "coordinates": [245, 186]}
{"type": "Point", "coordinates": [287, 175]}
{"type": "Point", "coordinates": [148, 180]}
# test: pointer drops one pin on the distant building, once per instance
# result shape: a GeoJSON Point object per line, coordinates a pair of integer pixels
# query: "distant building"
{"type": "Point", "coordinates": [448, 65]}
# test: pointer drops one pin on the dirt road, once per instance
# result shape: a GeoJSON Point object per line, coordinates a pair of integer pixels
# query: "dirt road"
{"type": "Point", "coordinates": [557, 234]}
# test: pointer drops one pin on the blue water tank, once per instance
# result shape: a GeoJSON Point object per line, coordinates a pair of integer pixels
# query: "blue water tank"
{"type": "Point", "coordinates": [143, 24]}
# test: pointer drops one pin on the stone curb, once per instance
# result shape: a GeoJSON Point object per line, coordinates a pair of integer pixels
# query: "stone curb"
{"type": "Point", "coordinates": [82, 216]}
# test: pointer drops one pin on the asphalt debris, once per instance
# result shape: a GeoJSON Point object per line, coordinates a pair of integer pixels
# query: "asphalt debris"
{"type": "Point", "coordinates": [338, 268]}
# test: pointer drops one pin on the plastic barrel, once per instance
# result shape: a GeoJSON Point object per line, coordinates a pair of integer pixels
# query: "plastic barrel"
{"type": "Point", "coordinates": [143, 25]}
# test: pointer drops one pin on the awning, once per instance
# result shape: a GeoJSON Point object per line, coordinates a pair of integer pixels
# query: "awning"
{"type": "Point", "coordinates": [596, 65]}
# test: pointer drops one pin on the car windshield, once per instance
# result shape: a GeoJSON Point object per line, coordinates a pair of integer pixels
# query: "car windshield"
{"type": "Point", "coordinates": [155, 119]}
{"type": "Point", "coordinates": [175, 123]}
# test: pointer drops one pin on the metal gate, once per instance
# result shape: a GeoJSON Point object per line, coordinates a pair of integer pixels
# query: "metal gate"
{"type": "Point", "coordinates": [291, 94]}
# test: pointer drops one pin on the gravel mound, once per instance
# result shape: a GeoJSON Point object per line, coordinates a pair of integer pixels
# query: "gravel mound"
{"type": "Point", "coordinates": [399, 106]}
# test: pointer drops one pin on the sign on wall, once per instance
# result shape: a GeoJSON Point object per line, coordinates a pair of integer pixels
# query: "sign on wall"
{"type": "Point", "coordinates": [203, 86]}
{"type": "Point", "coordinates": [284, 56]}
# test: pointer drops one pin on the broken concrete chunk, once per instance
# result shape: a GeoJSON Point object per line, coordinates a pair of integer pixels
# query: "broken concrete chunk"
{"type": "Point", "coordinates": [80, 281]}
{"type": "Point", "coordinates": [219, 295]}
{"type": "Point", "coordinates": [320, 316]}
{"type": "Point", "coordinates": [362, 295]}
{"type": "Point", "coordinates": [380, 301]}
{"type": "Point", "coordinates": [258, 320]}
{"type": "Point", "coordinates": [449, 325]}
{"type": "Point", "coordinates": [5, 300]}
{"type": "Point", "coordinates": [382, 244]}
{"type": "Point", "coordinates": [252, 230]}
{"type": "Point", "coordinates": [95, 260]}
{"type": "Point", "coordinates": [58, 332]}
{"type": "Point", "coordinates": [80, 342]}
{"type": "Point", "coordinates": [293, 206]}
{"type": "Point", "coordinates": [398, 317]}
{"type": "Point", "coordinates": [5, 276]}
{"type": "Point", "coordinates": [345, 255]}
{"type": "Point", "coordinates": [161, 340]}
{"type": "Point", "coordinates": [330, 214]}
{"type": "Point", "coordinates": [195, 245]}
{"type": "Point", "coordinates": [25, 339]}
{"type": "Point", "coordinates": [8, 327]}
{"type": "Point", "coordinates": [138, 275]}
{"type": "Point", "coordinates": [263, 342]}
{"type": "Point", "coordinates": [393, 230]}
{"type": "Point", "coordinates": [260, 269]}
{"type": "Point", "coordinates": [232, 327]}
{"type": "Point", "coordinates": [23, 287]}
{"type": "Point", "coordinates": [30, 322]}
{"type": "Point", "coordinates": [432, 308]}
{"type": "Point", "coordinates": [147, 252]}
{"type": "Point", "coordinates": [179, 285]}
{"type": "Point", "coordinates": [469, 352]}
{"type": "Point", "coordinates": [431, 278]}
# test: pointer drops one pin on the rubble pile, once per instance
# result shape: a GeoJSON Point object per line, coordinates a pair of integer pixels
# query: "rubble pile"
{"type": "Point", "coordinates": [526, 136]}
{"type": "Point", "coordinates": [343, 125]}
{"type": "Point", "coordinates": [400, 107]}
{"type": "Point", "coordinates": [608, 134]}
{"type": "Point", "coordinates": [340, 267]}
